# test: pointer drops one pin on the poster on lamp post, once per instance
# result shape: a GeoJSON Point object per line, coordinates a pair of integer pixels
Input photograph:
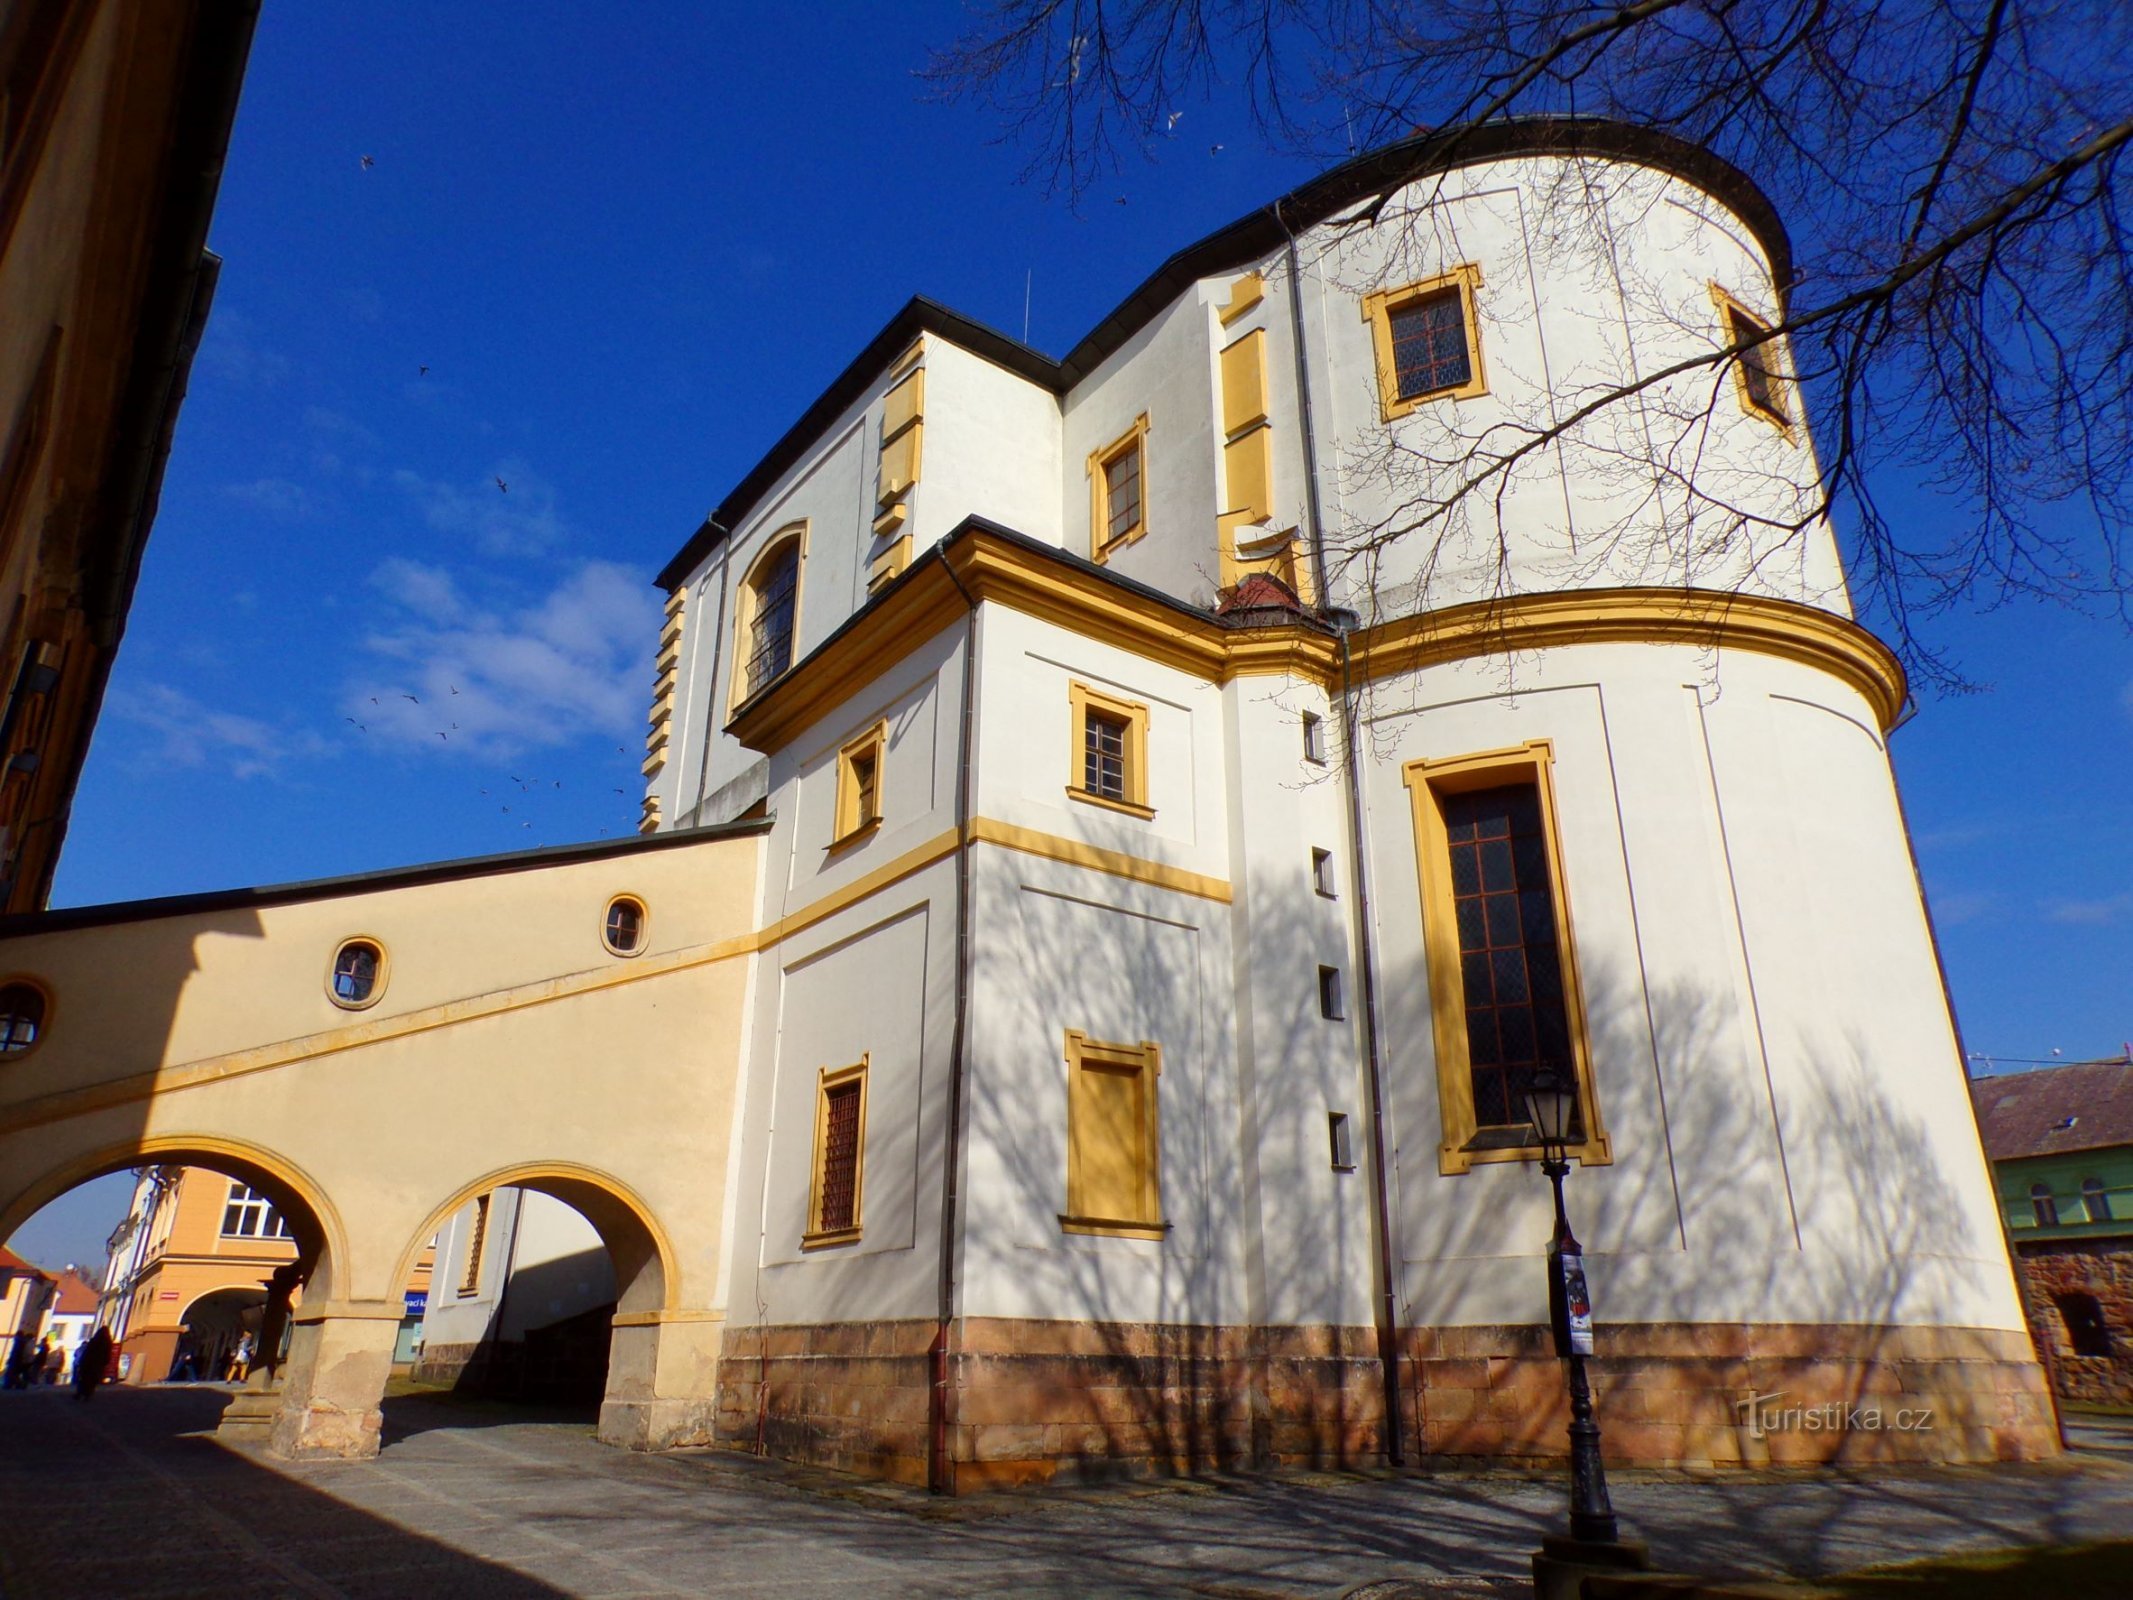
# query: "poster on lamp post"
{"type": "Point", "coordinates": [1571, 1302]}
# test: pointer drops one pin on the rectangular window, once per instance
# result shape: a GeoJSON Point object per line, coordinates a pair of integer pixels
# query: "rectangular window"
{"type": "Point", "coordinates": [1343, 1142]}
{"type": "Point", "coordinates": [833, 1208]}
{"type": "Point", "coordinates": [859, 766]}
{"type": "Point", "coordinates": [477, 1236]}
{"type": "Point", "coordinates": [1322, 872]}
{"type": "Point", "coordinates": [1758, 374]}
{"type": "Point", "coordinates": [1504, 995]}
{"type": "Point", "coordinates": [1110, 751]}
{"type": "Point", "coordinates": [248, 1214]}
{"type": "Point", "coordinates": [1117, 491]}
{"type": "Point", "coordinates": [1314, 730]}
{"type": "Point", "coordinates": [1113, 1141]}
{"type": "Point", "coordinates": [1329, 994]}
{"type": "Point", "coordinates": [1427, 341]}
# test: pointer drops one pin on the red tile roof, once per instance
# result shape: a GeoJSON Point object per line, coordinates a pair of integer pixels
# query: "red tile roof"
{"type": "Point", "coordinates": [2086, 1106]}
{"type": "Point", "coordinates": [77, 1296]}
{"type": "Point", "coordinates": [10, 1262]}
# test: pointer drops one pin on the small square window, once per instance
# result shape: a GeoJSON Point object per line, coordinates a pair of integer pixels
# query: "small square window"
{"type": "Point", "coordinates": [1118, 491]}
{"type": "Point", "coordinates": [1329, 994]}
{"type": "Point", "coordinates": [1322, 873]}
{"type": "Point", "coordinates": [1110, 751]}
{"type": "Point", "coordinates": [1343, 1143]}
{"type": "Point", "coordinates": [1314, 730]}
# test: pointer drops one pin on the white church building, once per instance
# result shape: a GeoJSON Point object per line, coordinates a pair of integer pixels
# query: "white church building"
{"type": "Point", "coordinates": [1122, 834]}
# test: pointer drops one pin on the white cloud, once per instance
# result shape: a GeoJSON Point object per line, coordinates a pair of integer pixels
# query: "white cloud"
{"type": "Point", "coordinates": [232, 351]}
{"type": "Point", "coordinates": [1963, 907]}
{"type": "Point", "coordinates": [493, 679]}
{"type": "Point", "coordinates": [277, 497]}
{"type": "Point", "coordinates": [2091, 913]}
{"type": "Point", "coordinates": [188, 734]}
{"type": "Point", "coordinates": [518, 519]}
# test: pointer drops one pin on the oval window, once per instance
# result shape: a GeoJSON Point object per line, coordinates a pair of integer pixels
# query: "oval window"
{"type": "Point", "coordinates": [624, 929]}
{"type": "Point", "coordinates": [21, 1017]}
{"type": "Point", "coordinates": [357, 968]}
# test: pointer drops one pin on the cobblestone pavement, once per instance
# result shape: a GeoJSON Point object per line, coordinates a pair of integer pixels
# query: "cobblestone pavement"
{"type": "Point", "coordinates": [128, 1498]}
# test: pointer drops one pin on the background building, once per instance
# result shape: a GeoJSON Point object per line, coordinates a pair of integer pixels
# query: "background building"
{"type": "Point", "coordinates": [25, 1297]}
{"type": "Point", "coordinates": [2061, 1142]}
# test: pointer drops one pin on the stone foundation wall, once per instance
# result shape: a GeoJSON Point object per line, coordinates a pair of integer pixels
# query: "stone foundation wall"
{"type": "Point", "coordinates": [850, 1395]}
{"type": "Point", "coordinates": [2100, 1267]}
{"type": "Point", "coordinates": [1677, 1394]}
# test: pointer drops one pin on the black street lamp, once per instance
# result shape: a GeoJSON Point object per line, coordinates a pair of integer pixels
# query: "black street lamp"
{"type": "Point", "coordinates": [1551, 1106]}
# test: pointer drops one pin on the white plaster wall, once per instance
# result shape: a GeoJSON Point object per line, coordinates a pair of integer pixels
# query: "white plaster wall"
{"type": "Point", "coordinates": [541, 1261]}
{"type": "Point", "coordinates": [1066, 947]}
{"type": "Point", "coordinates": [1592, 273]}
{"type": "Point", "coordinates": [1306, 1227]}
{"type": "Point", "coordinates": [1771, 1046]}
{"type": "Point", "coordinates": [1028, 757]}
{"type": "Point", "coordinates": [991, 450]}
{"type": "Point", "coordinates": [1166, 370]}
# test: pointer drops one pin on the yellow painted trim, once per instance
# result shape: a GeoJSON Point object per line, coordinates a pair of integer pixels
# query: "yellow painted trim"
{"type": "Point", "coordinates": [658, 1319]}
{"type": "Point", "coordinates": [849, 822]}
{"type": "Point", "coordinates": [1076, 853]}
{"type": "Point", "coordinates": [885, 568]}
{"type": "Point", "coordinates": [1244, 389]}
{"type": "Point", "coordinates": [378, 985]}
{"type": "Point", "coordinates": [1145, 1060]}
{"type": "Point", "coordinates": [154, 1150]}
{"type": "Point", "coordinates": [860, 888]}
{"type": "Point", "coordinates": [818, 1237]}
{"type": "Point", "coordinates": [1701, 618]}
{"type": "Point", "coordinates": [529, 1175]}
{"type": "Point", "coordinates": [1134, 715]}
{"type": "Point", "coordinates": [1775, 367]}
{"type": "Point", "coordinates": [744, 601]}
{"type": "Point", "coordinates": [1134, 438]}
{"type": "Point", "coordinates": [1245, 293]}
{"type": "Point", "coordinates": [1427, 782]}
{"type": "Point", "coordinates": [1377, 311]}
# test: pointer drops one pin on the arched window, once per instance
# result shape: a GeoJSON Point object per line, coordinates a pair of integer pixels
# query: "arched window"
{"type": "Point", "coordinates": [2095, 1200]}
{"type": "Point", "coordinates": [2086, 1329]}
{"type": "Point", "coordinates": [771, 612]}
{"type": "Point", "coordinates": [623, 932]}
{"type": "Point", "coordinates": [21, 1017]}
{"type": "Point", "coordinates": [358, 973]}
{"type": "Point", "coordinates": [2042, 1203]}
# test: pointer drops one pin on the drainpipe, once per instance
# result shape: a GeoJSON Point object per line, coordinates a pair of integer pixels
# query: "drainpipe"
{"type": "Point", "coordinates": [940, 1471]}
{"type": "Point", "coordinates": [1388, 1321]}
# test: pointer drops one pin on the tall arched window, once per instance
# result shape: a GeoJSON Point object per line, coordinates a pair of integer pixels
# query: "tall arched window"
{"type": "Point", "coordinates": [770, 614]}
{"type": "Point", "coordinates": [2044, 1205]}
{"type": "Point", "coordinates": [2095, 1200]}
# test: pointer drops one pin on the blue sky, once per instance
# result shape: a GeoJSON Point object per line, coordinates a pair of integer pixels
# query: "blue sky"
{"type": "Point", "coordinates": [628, 257]}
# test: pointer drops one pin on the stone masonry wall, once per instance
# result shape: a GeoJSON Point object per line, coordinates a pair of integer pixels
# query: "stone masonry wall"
{"type": "Point", "coordinates": [2103, 1268]}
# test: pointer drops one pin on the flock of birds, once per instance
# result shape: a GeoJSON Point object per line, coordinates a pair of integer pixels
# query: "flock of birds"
{"type": "Point", "coordinates": [526, 786]}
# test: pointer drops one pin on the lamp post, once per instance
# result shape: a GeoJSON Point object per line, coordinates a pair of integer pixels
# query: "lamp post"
{"type": "Point", "coordinates": [1551, 1106]}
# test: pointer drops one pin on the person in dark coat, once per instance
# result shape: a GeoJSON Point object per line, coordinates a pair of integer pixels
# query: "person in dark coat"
{"type": "Point", "coordinates": [91, 1362]}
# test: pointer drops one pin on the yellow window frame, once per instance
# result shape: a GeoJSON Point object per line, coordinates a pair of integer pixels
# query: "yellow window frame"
{"type": "Point", "coordinates": [1134, 439]}
{"type": "Point", "coordinates": [748, 593]}
{"type": "Point", "coordinates": [1378, 311]}
{"type": "Point", "coordinates": [1769, 359]}
{"type": "Point", "coordinates": [1137, 1214]}
{"type": "Point", "coordinates": [852, 821]}
{"type": "Point", "coordinates": [1428, 783]}
{"type": "Point", "coordinates": [1084, 701]}
{"type": "Point", "coordinates": [828, 1079]}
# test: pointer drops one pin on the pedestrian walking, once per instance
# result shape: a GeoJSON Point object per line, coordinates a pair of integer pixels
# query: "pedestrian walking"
{"type": "Point", "coordinates": [91, 1362]}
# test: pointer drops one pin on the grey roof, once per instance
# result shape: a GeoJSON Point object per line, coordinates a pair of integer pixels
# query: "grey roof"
{"type": "Point", "coordinates": [2087, 1105]}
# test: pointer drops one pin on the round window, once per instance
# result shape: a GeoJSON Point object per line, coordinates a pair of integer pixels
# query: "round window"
{"type": "Point", "coordinates": [21, 1017]}
{"type": "Point", "coordinates": [358, 973]}
{"type": "Point", "coordinates": [624, 928]}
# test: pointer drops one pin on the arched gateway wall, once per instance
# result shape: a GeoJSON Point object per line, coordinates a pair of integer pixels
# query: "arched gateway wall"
{"type": "Point", "coordinates": [202, 1029]}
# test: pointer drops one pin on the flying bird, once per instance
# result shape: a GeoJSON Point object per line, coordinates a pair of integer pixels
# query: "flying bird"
{"type": "Point", "coordinates": [363, 729]}
{"type": "Point", "coordinates": [453, 687]}
{"type": "Point", "coordinates": [1214, 149]}
{"type": "Point", "coordinates": [422, 372]}
{"type": "Point", "coordinates": [502, 487]}
{"type": "Point", "coordinates": [444, 736]}
{"type": "Point", "coordinates": [368, 163]}
{"type": "Point", "coordinates": [406, 696]}
{"type": "Point", "coordinates": [1173, 122]}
